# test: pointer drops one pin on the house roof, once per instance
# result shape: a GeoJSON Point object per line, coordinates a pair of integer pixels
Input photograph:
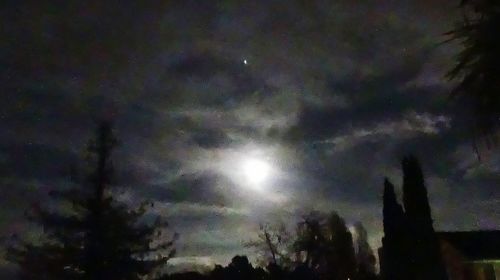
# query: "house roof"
{"type": "Point", "coordinates": [475, 245]}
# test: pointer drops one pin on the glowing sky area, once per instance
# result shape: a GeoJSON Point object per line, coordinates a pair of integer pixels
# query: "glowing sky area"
{"type": "Point", "coordinates": [256, 172]}
{"type": "Point", "coordinates": [232, 113]}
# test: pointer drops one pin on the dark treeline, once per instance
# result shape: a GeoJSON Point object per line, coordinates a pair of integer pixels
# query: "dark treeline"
{"type": "Point", "coordinates": [322, 248]}
{"type": "Point", "coordinates": [241, 268]}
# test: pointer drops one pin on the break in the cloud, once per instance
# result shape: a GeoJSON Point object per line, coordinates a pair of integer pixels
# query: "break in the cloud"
{"type": "Point", "coordinates": [332, 95]}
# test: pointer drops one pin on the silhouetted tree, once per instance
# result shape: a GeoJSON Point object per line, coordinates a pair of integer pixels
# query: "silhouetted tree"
{"type": "Point", "coordinates": [364, 254]}
{"type": "Point", "coordinates": [303, 272]}
{"type": "Point", "coordinates": [97, 237]}
{"type": "Point", "coordinates": [324, 244]}
{"type": "Point", "coordinates": [478, 64]}
{"type": "Point", "coordinates": [239, 268]}
{"type": "Point", "coordinates": [273, 244]}
{"type": "Point", "coordinates": [217, 273]}
{"type": "Point", "coordinates": [341, 257]}
{"type": "Point", "coordinates": [310, 242]}
{"type": "Point", "coordinates": [322, 248]}
{"type": "Point", "coordinates": [277, 272]}
{"type": "Point", "coordinates": [425, 247]}
{"type": "Point", "coordinates": [189, 275]}
{"type": "Point", "coordinates": [393, 256]}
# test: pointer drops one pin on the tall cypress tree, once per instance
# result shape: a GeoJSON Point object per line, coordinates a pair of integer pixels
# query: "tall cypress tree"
{"type": "Point", "coordinates": [425, 252]}
{"type": "Point", "coordinates": [394, 252]}
{"type": "Point", "coordinates": [415, 199]}
{"type": "Point", "coordinates": [98, 237]}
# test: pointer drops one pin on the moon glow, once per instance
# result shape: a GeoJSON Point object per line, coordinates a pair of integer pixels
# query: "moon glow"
{"type": "Point", "coordinates": [256, 172]}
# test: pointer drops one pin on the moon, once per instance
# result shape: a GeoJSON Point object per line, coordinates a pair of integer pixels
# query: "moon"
{"type": "Point", "coordinates": [256, 172]}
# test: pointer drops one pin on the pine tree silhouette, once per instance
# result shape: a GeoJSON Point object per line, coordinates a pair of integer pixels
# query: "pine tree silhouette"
{"type": "Point", "coordinates": [98, 237]}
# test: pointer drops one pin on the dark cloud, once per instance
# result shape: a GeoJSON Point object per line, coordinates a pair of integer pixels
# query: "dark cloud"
{"type": "Point", "coordinates": [34, 161]}
{"type": "Point", "coordinates": [210, 139]}
{"type": "Point", "coordinates": [372, 100]}
{"type": "Point", "coordinates": [202, 188]}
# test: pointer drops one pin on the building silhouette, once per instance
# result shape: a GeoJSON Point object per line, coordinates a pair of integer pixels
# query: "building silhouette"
{"type": "Point", "coordinates": [470, 255]}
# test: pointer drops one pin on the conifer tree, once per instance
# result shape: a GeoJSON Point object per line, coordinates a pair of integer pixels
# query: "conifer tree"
{"type": "Point", "coordinates": [97, 237]}
{"type": "Point", "coordinates": [394, 260]}
{"type": "Point", "coordinates": [427, 262]}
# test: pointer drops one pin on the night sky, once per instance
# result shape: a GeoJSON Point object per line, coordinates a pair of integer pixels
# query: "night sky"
{"type": "Point", "coordinates": [322, 98]}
